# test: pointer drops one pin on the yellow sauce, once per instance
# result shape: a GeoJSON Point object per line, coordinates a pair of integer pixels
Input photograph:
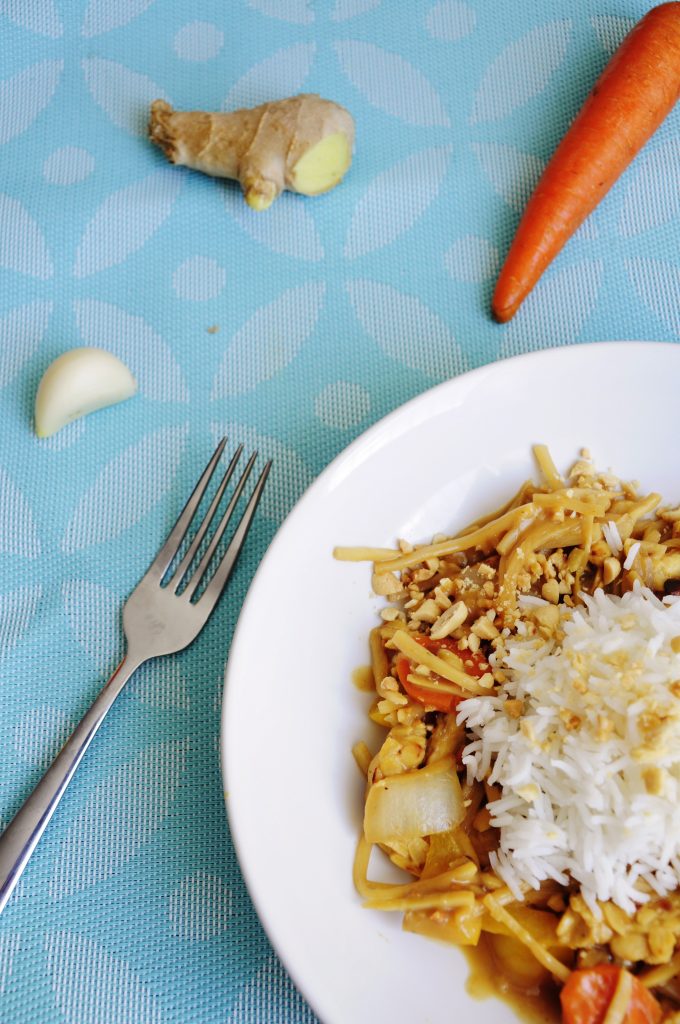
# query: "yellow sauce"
{"type": "Point", "coordinates": [486, 980]}
{"type": "Point", "coordinates": [362, 678]}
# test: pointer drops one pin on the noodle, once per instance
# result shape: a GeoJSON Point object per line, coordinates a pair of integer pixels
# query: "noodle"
{"type": "Point", "coordinates": [547, 466]}
{"type": "Point", "coordinates": [437, 900]}
{"type": "Point", "coordinates": [379, 662]}
{"type": "Point", "coordinates": [485, 536]}
{"type": "Point", "coordinates": [358, 554]}
{"type": "Point", "coordinates": [661, 975]}
{"type": "Point", "coordinates": [618, 1008]}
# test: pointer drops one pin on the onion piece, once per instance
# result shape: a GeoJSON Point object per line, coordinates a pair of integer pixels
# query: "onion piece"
{"type": "Point", "coordinates": [414, 804]}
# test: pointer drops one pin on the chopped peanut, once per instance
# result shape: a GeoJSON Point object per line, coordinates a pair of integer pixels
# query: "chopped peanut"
{"type": "Point", "coordinates": [386, 584]}
{"type": "Point", "coordinates": [611, 567]}
{"type": "Point", "coordinates": [485, 629]}
{"type": "Point", "coordinates": [449, 621]}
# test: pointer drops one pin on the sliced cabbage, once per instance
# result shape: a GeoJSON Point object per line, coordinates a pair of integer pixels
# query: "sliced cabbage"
{"type": "Point", "coordinates": [414, 804]}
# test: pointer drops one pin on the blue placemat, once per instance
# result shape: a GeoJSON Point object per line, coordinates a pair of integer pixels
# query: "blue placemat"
{"type": "Point", "coordinates": [292, 330]}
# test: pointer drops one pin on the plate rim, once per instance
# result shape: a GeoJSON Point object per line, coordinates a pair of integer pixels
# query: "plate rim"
{"type": "Point", "coordinates": [320, 482]}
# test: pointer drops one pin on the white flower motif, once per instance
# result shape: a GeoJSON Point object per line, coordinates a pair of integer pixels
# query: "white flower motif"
{"type": "Point", "coordinates": [652, 189]}
{"type": "Point", "coordinates": [658, 285]}
{"type": "Point", "coordinates": [21, 333]}
{"type": "Point", "coordinates": [269, 340]}
{"type": "Point", "coordinates": [556, 309]}
{"type": "Point", "coordinates": [22, 243]}
{"type": "Point", "coordinates": [200, 907]}
{"type": "Point", "coordinates": [199, 279]}
{"type": "Point", "coordinates": [68, 165]}
{"type": "Point", "coordinates": [64, 438]}
{"type": "Point", "coordinates": [289, 227]}
{"type": "Point", "coordinates": [125, 221]}
{"type": "Point", "coordinates": [512, 173]}
{"type": "Point", "coordinates": [137, 344]}
{"type": "Point", "coordinates": [104, 15]}
{"type": "Point", "coordinates": [122, 94]}
{"type": "Point", "coordinates": [93, 612]}
{"type": "Point", "coordinates": [161, 684]}
{"type": "Point", "coordinates": [282, 74]}
{"type": "Point", "coordinates": [18, 531]}
{"type": "Point", "coordinates": [126, 489]}
{"type": "Point", "coordinates": [539, 54]}
{"type": "Point", "coordinates": [406, 330]}
{"type": "Point", "coordinates": [342, 405]}
{"type": "Point", "coordinates": [26, 95]}
{"type": "Point", "coordinates": [395, 200]}
{"type": "Point", "coordinates": [10, 943]}
{"type": "Point", "coordinates": [40, 734]}
{"type": "Point", "coordinates": [198, 41]}
{"type": "Point", "coordinates": [39, 16]}
{"type": "Point", "coordinates": [391, 83]}
{"type": "Point", "coordinates": [611, 30]}
{"type": "Point", "coordinates": [134, 801]}
{"type": "Point", "coordinates": [17, 609]}
{"type": "Point", "coordinates": [472, 259]}
{"type": "Point", "coordinates": [297, 12]}
{"type": "Point", "coordinates": [450, 21]}
{"type": "Point", "coordinates": [270, 987]}
{"type": "Point", "coordinates": [343, 10]}
{"type": "Point", "coordinates": [90, 984]}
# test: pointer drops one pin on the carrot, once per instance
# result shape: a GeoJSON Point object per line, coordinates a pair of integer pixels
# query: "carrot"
{"type": "Point", "coordinates": [587, 994]}
{"type": "Point", "coordinates": [440, 701]}
{"type": "Point", "coordinates": [635, 92]}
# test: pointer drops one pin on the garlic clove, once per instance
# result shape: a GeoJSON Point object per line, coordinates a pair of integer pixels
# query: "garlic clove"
{"type": "Point", "coordinates": [78, 382]}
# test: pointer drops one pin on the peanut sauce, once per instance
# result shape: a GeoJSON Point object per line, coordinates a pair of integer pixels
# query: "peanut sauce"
{"type": "Point", "coordinates": [486, 980]}
{"type": "Point", "coordinates": [362, 678]}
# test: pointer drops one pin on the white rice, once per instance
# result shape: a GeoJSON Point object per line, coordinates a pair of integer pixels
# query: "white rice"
{"type": "Point", "coordinates": [632, 555]}
{"type": "Point", "coordinates": [612, 537]}
{"type": "Point", "coordinates": [529, 601]}
{"type": "Point", "coordinates": [578, 770]}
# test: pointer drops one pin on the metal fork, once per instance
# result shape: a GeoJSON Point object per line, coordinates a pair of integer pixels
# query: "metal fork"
{"type": "Point", "coordinates": [158, 618]}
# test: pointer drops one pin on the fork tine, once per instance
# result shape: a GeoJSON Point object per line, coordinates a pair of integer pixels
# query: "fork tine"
{"type": "Point", "coordinates": [179, 573]}
{"type": "Point", "coordinates": [202, 566]}
{"type": "Point", "coordinates": [223, 571]}
{"type": "Point", "coordinates": [166, 554]}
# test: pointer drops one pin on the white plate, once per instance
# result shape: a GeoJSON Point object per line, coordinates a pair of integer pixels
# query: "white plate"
{"type": "Point", "coordinates": [291, 713]}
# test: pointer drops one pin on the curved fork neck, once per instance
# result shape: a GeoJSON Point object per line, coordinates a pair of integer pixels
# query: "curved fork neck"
{"type": "Point", "coordinates": [120, 675]}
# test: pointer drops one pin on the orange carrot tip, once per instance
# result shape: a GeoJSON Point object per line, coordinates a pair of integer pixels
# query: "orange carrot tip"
{"type": "Point", "coordinates": [637, 89]}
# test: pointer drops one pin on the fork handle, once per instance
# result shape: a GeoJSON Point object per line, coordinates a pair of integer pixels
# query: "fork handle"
{"type": "Point", "coordinates": [23, 833]}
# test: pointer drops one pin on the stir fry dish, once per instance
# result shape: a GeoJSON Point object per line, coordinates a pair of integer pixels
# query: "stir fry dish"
{"type": "Point", "coordinates": [527, 677]}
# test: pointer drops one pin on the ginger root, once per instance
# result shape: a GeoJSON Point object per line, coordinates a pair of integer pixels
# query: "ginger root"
{"type": "Point", "coordinates": [303, 144]}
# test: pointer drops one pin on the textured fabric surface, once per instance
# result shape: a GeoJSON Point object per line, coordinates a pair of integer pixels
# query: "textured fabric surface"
{"type": "Point", "coordinates": [292, 330]}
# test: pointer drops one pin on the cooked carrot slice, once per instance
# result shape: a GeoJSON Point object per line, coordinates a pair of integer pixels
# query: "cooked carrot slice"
{"type": "Point", "coordinates": [587, 994]}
